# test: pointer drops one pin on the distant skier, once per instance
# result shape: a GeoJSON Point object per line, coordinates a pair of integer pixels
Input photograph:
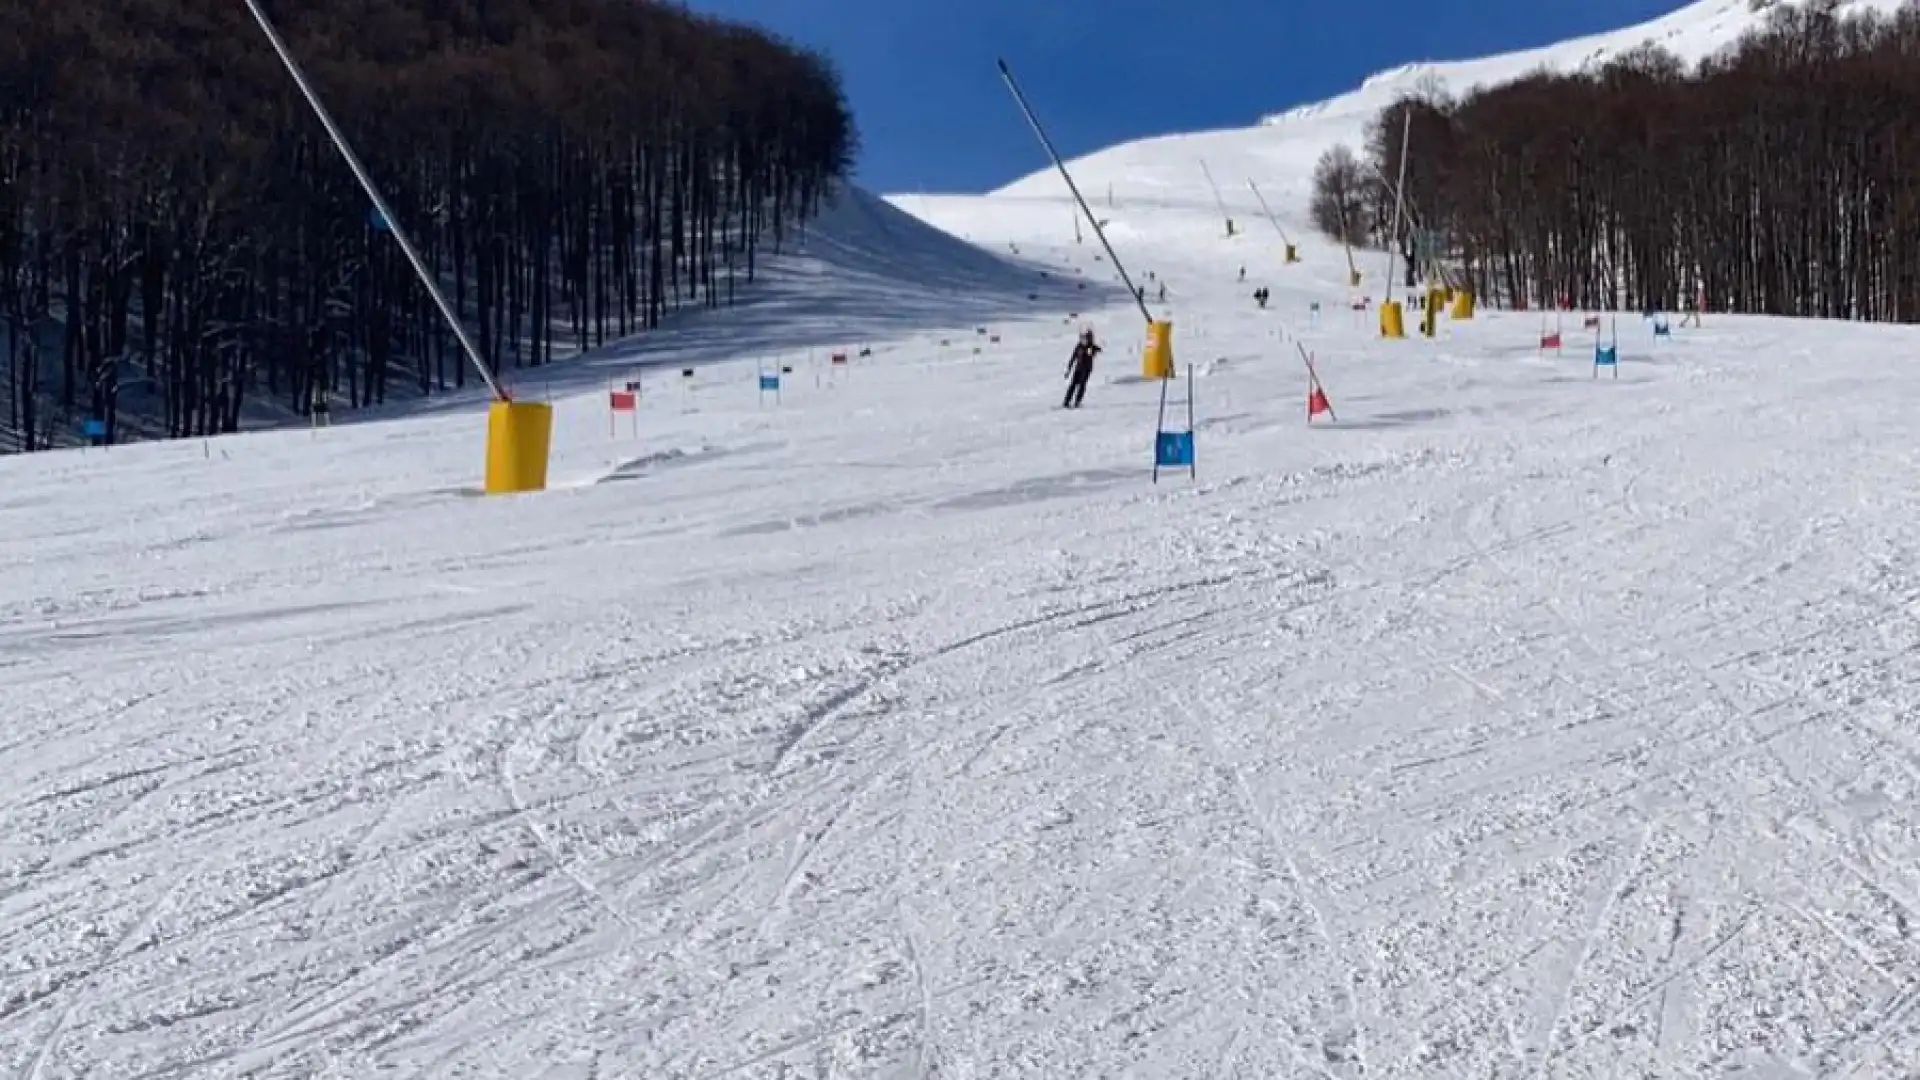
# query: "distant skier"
{"type": "Point", "coordinates": [1261, 296]}
{"type": "Point", "coordinates": [1243, 273]}
{"type": "Point", "coordinates": [1163, 292]}
{"type": "Point", "coordinates": [1080, 369]}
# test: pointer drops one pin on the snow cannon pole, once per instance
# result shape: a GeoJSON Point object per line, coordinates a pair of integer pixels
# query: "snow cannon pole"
{"type": "Point", "coordinates": [379, 202]}
{"type": "Point", "coordinates": [1217, 200]}
{"type": "Point", "coordinates": [1020, 99]}
{"type": "Point", "coordinates": [1268, 210]}
{"type": "Point", "coordinates": [519, 434]}
{"type": "Point", "coordinates": [1399, 198]}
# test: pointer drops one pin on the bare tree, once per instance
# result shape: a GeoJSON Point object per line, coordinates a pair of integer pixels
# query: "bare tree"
{"type": "Point", "coordinates": [178, 238]}
{"type": "Point", "coordinates": [1340, 207]}
{"type": "Point", "coordinates": [1775, 178]}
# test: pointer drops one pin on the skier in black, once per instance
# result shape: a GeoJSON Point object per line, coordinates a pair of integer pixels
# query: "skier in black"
{"type": "Point", "coordinates": [1080, 369]}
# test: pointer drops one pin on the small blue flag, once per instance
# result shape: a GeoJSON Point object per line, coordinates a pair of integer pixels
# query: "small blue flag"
{"type": "Point", "coordinates": [769, 382]}
{"type": "Point", "coordinates": [1172, 448]}
{"type": "Point", "coordinates": [93, 429]}
{"type": "Point", "coordinates": [1606, 357]}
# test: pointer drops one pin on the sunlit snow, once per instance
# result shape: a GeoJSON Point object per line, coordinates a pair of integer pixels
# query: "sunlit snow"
{"type": "Point", "coordinates": [1518, 724]}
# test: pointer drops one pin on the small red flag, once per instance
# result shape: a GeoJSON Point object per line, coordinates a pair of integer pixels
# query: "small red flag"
{"type": "Point", "coordinates": [621, 401]}
{"type": "Point", "coordinates": [1550, 341]}
{"type": "Point", "coordinates": [1317, 403]}
{"type": "Point", "coordinates": [1591, 322]}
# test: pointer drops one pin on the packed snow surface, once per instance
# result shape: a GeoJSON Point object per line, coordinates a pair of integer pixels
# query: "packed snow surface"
{"type": "Point", "coordinates": [1516, 724]}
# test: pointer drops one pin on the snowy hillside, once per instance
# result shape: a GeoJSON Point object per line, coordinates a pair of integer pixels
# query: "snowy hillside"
{"type": "Point", "coordinates": [1280, 152]}
{"type": "Point", "coordinates": [1517, 723]}
{"type": "Point", "coordinates": [1693, 33]}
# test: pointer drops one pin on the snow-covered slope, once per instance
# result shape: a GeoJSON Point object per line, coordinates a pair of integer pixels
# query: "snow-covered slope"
{"type": "Point", "coordinates": [1516, 724]}
{"type": "Point", "coordinates": [1692, 33]}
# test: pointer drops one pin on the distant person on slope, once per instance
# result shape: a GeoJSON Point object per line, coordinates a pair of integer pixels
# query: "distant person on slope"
{"type": "Point", "coordinates": [1080, 369]}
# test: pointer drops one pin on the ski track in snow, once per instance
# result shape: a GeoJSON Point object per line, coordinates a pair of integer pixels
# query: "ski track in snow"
{"type": "Point", "coordinates": [1517, 726]}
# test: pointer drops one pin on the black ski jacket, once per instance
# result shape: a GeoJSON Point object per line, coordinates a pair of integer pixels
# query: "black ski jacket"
{"type": "Point", "coordinates": [1080, 364]}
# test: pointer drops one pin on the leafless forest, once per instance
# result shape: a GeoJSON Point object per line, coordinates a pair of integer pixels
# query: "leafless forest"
{"type": "Point", "coordinates": [1781, 177]}
{"type": "Point", "coordinates": [179, 241]}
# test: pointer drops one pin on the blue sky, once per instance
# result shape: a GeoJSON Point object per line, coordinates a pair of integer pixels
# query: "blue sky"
{"type": "Point", "coordinates": [934, 115]}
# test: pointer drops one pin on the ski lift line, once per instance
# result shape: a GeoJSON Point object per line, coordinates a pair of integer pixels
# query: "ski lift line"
{"type": "Point", "coordinates": [1020, 99]}
{"type": "Point", "coordinates": [379, 202]}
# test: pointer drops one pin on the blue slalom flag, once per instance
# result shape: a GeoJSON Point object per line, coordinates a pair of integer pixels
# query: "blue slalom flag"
{"type": "Point", "coordinates": [769, 382]}
{"type": "Point", "coordinates": [93, 428]}
{"type": "Point", "coordinates": [1606, 356]}
{"type": "Point", "coordinates": [1173, 448]}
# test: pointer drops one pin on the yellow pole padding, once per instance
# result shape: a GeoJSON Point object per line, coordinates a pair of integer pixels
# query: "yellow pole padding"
{"type": "Point", "coordinates": [519, 436]}
{"type": "Point", "coordinates": [1393, 322]}
{"type": "Point", "coordinates": [1157, 361]}
{"type": "Point", "coordinates": [1463, 304]}
{"type": "Point", "coordinates": [1293, 254]}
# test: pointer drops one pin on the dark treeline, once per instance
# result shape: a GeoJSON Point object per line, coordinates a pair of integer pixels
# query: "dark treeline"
{"type": "Point", "coordinates": [1781, 177]}
{"type": "Point", "coordinates": [178, 237]}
